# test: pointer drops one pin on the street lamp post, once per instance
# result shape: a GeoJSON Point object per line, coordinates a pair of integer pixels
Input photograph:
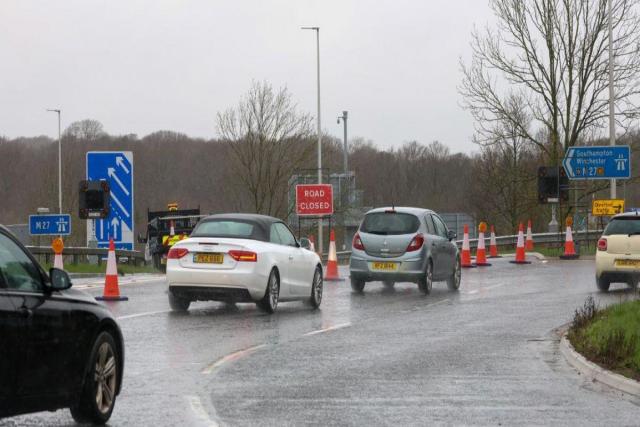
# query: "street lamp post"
{"type": "Point", "coordinates": [317, 30]}
{"type": "Point", "coordinates": [343, 117]}
{"type": "Point", "coordinates": [612, 123]}
{"type": "Point", "coordinates": [59, 163]}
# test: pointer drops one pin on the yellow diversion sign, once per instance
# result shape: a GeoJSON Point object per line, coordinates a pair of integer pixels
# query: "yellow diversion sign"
{"type": "Point", "coordinates": [607, 207]}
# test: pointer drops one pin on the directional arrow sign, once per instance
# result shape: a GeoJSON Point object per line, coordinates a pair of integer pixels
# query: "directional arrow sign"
{"type": "Point", "coordinates": [116, 167]}
{"type": "Point", "coordinates": [599, 162]}
{"type": "Point", "coordinates": [607, 207]}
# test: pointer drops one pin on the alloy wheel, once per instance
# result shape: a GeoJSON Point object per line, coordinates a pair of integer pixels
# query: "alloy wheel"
{"type": "Point", "coordinates": [105, 377]}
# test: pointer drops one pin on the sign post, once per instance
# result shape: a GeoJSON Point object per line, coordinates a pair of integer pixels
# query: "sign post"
{"type": "Point", "coordinates": [314, 199]}
{"type": "Point", "coordinates": [50, 225]}
{"type": "Point", "coordinates": [115, 167]}
{"type": "Point", "coordinates": [607, 207]}
{"type": "Point", "coordinates": [598, 162]}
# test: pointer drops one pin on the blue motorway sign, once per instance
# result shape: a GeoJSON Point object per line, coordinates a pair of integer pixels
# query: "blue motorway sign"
{"type": "Point", "coordinates": [50, 225]}
{"type": "Point", "coordinates": [600, 162]}
{"type": "Point", "coordinates": [116, 167]}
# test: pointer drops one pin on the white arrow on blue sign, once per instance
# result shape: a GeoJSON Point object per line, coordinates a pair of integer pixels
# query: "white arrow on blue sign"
{"type": "Point", "coordinates": [50, 225]}
{"type": "Point", "coordinates": [116, 167]}
{"type": "Point", "coordinates": [598, 162]}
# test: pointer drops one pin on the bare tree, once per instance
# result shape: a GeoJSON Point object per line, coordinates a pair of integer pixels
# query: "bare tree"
{"type": "Point", "coordinates": [550, 56]}
{"type": "Point", "coordinates": [87, 130]}
{"type": "Point", "coordinates": [268, 141]}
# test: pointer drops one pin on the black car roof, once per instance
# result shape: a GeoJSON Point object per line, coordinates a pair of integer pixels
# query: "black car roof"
{"type": "Point", "coordinates": [263, 222]}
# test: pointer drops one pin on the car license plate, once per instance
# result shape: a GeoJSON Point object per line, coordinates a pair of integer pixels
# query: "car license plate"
{"type": "Point", "coordinates": [628, 262]}
{"type": "Point", "coordinates": [208, 258]}
{"type": "Point", "coordinates": [384, 266]}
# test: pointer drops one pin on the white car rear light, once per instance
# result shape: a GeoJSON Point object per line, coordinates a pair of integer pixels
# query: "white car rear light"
{"type": "Point", "coordinates": [602, 244]}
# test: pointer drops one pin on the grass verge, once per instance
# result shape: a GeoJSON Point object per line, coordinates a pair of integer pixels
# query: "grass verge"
{"type": "Point", "coordinates": [100, 269]}
{"type": "Point", "coordinates": [609, 337]}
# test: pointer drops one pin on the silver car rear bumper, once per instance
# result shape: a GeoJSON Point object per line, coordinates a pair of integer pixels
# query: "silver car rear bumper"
{"type": "Point", "coordinates": [411, 268]}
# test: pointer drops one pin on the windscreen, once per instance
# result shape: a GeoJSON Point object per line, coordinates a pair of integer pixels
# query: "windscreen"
{"type": "Point", "coordinates": [224, 228]}
{"type": "Point", "coordinates": [389, 223]}
{"type": "Point", "coordinates": [623, 225]}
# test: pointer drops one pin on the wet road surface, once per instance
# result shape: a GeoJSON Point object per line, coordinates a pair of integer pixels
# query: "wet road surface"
{"type": "Point", "coordinates": [487, 355]}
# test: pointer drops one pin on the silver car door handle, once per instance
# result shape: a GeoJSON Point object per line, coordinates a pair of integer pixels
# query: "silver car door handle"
{"type": "Point", "coordinates": [290, 257]}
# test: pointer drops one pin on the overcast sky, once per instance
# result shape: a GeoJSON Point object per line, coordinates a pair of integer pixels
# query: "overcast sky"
{"type": "Point", "coordinates": [142, 66]}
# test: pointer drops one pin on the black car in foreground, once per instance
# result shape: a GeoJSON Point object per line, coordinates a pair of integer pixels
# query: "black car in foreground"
{"type": "Point", "coordinates": [59, 348]}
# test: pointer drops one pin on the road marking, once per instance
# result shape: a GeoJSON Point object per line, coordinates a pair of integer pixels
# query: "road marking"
{"type": "Point", "coordinates": [483, 289]}
{"type": "Point", "coordinates": [231, 357]}
{"type": "Point", "coordinates": [327, 329]}
{"type": "Point", "coordinates": [132, 281]}
{"type": "Point", "coordinates": [148, 313]}
{"type": "Point", "coordinates": [198, 409]}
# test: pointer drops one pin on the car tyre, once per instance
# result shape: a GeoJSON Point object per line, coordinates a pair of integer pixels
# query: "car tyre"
{"type": "Point", "coordinates": [453, 282]}
{"type": "Point", "coordinates": [603, 284]}
{"type": "Point", "coordinates": [316, 289]}
{"type": "Point", "coordinates": [269, 302]}
{"type": "Point", "coordinates": [98, 395]}
{"type": "Point", "coordinates": [178, 303]}
{"type": "Point", "coordinates": [425, 284]}
{"type": "Point", "coordinates": [357, 285]}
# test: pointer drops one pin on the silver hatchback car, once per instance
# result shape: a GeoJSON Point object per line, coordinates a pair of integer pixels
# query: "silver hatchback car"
{"type": "Point", "coordinates": [404, 245]}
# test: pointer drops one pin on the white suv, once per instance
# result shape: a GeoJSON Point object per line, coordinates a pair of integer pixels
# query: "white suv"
{"type": "Point", "coordinates": [618, 255]}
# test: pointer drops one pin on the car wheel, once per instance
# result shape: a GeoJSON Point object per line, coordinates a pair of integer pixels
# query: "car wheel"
{"type": "Point", "coordinates": [269, 302]}
{"type": "Point", "coordinates": [388, 284]}
{"type": "Point", "coordinates": [453, 282]}
{"type": "Point", "coordinates": [98, 396]}
{"type": "Point", "coordinates": [426, 283]}
{"type": "Point", "coordinates": [357, 285]}
{"type": "Point", "coordinates": [603, 284]}
{"type": "Point", "coordinates": [178, 303]}
{"type": "Point", "coordinates": [316, 289]}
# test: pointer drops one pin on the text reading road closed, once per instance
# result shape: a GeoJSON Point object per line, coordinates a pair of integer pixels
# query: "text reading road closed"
{"type": "Point", "coordinates": [314, 199]}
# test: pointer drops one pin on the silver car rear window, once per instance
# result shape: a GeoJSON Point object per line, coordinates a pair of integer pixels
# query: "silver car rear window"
{"type": "Point", "coordinates": [623, 225]}
{"type": "Point", "coordinates": [389, 223]}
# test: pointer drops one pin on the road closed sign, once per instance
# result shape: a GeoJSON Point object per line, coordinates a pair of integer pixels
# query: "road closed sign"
{"type": "Point", "coordinates": [314, 199]}
{"type": "Point", "coordinates": [607, 207]}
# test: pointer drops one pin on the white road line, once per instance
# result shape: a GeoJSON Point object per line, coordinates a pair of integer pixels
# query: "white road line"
{"type": "Point", "coordinates": [231, 357]}
{"type": "Point", "coordinates": [483, 289]}
{"type": "Point", "coordinates": [327, 329]}
{"type": "Point", "coordinates": [133, 281]}
{"type": "Point", "coordinates": [200, 412]}
{"type": "Point", "coordinates": [148, 313]}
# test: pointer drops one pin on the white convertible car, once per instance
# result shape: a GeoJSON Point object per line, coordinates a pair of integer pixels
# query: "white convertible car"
{"type": "Point", "coordinates": [243, 258]}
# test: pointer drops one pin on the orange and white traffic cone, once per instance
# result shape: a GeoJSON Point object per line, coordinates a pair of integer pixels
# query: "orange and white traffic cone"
{"type": "Point", "coordinates": [521, 257]}
{"type": "Point", "coordinates": [481, 253]}
{"type": "Point", "coordinates": [332, 263]}
{"type": "Point", "coordinates": [569, 248]}
{"type": "Point", "coordinates": [493, 245]}
{"type": "Point", "coordinates": [529, 242]}
{"type": "Point", "coordinates": [465, 255]}
{"type": "Point", "coordinates": [172, 228]}
{"type": "Point", "coordinates": [111, 290]}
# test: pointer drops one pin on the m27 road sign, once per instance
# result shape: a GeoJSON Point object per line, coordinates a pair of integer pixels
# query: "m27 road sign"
{"type": "Point", "coordinates": [50, 225]}
{"type": "Point", "coordinates": [314, 199]}
{"type": "Point", "coordinates": [601, 162]}
{"type": "Point", "coordinates": [115, 167]}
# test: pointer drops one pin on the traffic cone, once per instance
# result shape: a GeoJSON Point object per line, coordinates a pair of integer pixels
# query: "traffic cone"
{"type": "Point", "coordinates": [332, 263]}
{"type": "Point", "coordinates": [465, 256]}
{"type": "Point", "coordinates": [569, 248]}
{"type": "Point", "coordinates": [172, 229]}
{"type": "Point", "coordinates": [493, 246]}
{"type": "Point", "coordinates": [111, 290]}
{"type": "Point", "coordinates": [481, 253]}
{"type": "Point", "coordinates": [57, 261]}
{"type": "Point", "coordinates": [521, 257]}
{"type": "Point", "coordinates": [529, 242]}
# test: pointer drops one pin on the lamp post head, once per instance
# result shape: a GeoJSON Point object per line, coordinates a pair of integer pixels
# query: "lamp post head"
{"type": "Point", "coordinates": [310, 28]}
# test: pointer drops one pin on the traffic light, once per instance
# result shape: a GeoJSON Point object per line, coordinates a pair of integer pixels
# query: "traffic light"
{"type": "Point", "coordinates": [553, 184]}
{"type": "Point", "coordinates": [94, 199]}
